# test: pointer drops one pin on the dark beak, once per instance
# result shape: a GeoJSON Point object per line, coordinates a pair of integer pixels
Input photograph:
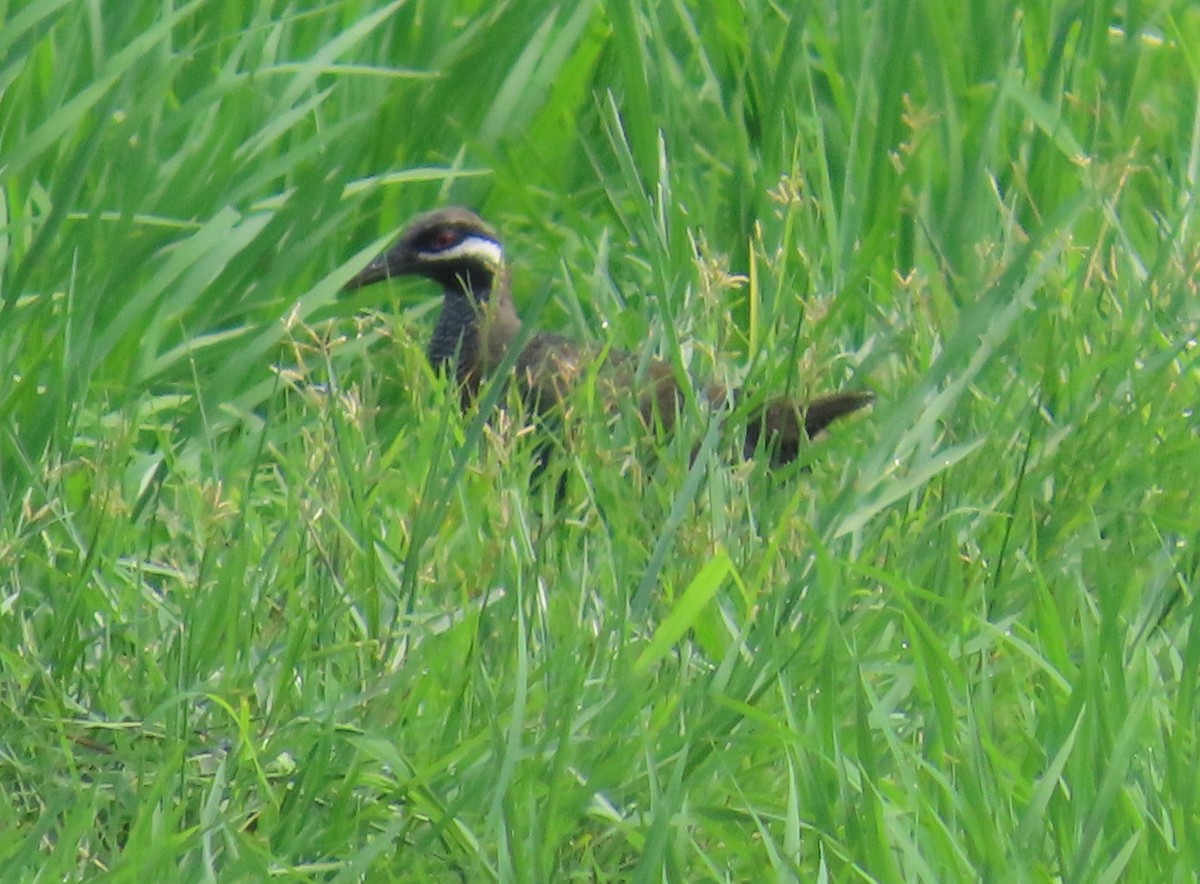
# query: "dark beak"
{"type": "Point", "coordinates": [391, 263]}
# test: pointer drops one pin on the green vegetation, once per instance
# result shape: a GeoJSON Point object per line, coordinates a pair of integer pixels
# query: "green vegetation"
{"type": "Point", "coordinates": [270, 607]}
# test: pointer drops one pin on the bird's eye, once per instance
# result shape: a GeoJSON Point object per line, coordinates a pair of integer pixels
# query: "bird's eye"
{"type": "Point", "coordinates": [443, 239]}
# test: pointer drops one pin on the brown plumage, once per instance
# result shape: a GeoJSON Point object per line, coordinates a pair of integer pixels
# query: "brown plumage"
{"type": "Point", "coordinates": [478, 322]}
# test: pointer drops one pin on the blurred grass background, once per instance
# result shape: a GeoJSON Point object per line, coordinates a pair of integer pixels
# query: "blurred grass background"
{"type": "Point", "coordinates": [270, 607]}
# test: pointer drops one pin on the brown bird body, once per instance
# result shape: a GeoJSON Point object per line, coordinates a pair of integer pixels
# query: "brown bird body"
{"type": "Point", "coordinates": [478, 322]}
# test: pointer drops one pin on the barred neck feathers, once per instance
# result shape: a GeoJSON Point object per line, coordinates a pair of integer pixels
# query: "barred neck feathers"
{"type": "Point", "coordinates": [456, 334]}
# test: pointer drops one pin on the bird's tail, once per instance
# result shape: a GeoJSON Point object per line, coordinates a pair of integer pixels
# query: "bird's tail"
{"type": "Point", "coordinates": [824, 410]}
{"type": "Point", "coordinates": [783, 425]}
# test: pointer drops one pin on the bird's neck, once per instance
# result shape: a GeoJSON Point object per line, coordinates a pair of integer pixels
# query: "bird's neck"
{"type": "Point", "coordinates": [473, 331]}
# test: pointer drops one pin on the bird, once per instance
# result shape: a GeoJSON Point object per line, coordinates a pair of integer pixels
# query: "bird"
{"type": "Point", "coordinates": [478, 323]}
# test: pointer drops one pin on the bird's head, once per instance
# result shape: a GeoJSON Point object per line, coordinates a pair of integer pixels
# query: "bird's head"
{"type": "Point", "coordinates": [452, 246]}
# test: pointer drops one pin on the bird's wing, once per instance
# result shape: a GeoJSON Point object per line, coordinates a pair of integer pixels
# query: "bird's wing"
{"type": "Point", "coordinates": [551, 366]}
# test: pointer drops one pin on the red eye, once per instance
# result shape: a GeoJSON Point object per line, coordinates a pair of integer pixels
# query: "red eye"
{"type": "Point", "coordinates": [444, 238]}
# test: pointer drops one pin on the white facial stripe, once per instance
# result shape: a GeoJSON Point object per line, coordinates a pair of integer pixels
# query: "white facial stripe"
{"type": "Point", "coordinates": [485, 251]}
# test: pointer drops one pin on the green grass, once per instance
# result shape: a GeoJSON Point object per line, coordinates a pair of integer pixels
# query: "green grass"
{"type": "Point", "coordinates": [271, 607]}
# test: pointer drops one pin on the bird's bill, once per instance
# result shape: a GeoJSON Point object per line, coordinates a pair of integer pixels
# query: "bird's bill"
{"type": "Point", "coordinates": [378, 270]}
